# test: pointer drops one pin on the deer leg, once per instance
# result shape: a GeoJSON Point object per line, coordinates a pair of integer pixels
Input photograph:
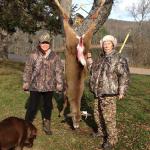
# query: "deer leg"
{"type": "Point", "coordinates": [64, 105]}
{"type": "Point", "coordinates": [75, 107]}
{"type": "Point", "coordinates": [63, 12]}
{"type": "Point", "coordinates": [75, 112]}
{"type": "Point", "coordinates": [18, 148]}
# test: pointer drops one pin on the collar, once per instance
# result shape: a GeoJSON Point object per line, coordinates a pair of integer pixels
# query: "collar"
{"type": "Point", "coordinates": [47, 53]}
{"type": "Point", "coordinates": [110, 54]}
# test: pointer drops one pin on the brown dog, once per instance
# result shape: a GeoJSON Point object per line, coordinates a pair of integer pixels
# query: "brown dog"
{"type": "Point", "coordinates": [15, 133]}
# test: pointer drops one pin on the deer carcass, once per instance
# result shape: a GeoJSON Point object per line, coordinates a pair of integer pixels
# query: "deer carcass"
{"type": "Point", "coordinates": [77, 47]}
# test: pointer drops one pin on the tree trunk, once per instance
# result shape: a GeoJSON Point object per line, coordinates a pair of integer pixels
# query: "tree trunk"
{"type": "Point", "coordinates": [4, 44]}
{"type": "Point", "coordinates": [68, 6]}
{"type": "Point", "coordinates": [100, 19]}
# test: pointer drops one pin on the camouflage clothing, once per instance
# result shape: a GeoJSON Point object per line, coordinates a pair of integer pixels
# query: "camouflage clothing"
{"type": "Point", "coordinates": [109, 78]}
{"type": "Point", "coordinates": [109, 75]}
{"type": "Point", "coordinates": [97, 118]}
{"type": "Point", "coordinates": [43, 73]}
{"type": "Point", "coordinates": [105, 117]}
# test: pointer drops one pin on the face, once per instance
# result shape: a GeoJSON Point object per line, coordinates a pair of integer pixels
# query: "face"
{"type": "Point", "coordinates": [108, 46]}
{"type": "Point", "coordinates": [45, 46]}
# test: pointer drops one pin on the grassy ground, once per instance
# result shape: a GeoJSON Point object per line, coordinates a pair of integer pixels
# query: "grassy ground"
{"type": "Point", "coordinates": [133, 117]}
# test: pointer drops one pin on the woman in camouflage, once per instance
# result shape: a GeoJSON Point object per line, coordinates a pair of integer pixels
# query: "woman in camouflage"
{"type": "Point", "coordinates": [109, 80]}
{"type": "Point", "coordinates": [43, 74]}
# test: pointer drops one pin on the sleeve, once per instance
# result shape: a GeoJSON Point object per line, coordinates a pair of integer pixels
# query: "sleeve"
{"type": "Point", "coordinates": [93, 77]}
{"type": "Point", "coordinates": [89, 61]}
{"type": "Point", "coordinates": [123, 75]}
{"type": "Point", "coordinates": [28, 70]}
{"type": "Point", "coordinates": [59, 70]}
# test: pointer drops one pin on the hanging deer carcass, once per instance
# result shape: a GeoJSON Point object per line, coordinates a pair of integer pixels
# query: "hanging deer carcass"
{"type": "Point", "coordinates": [77, 47]}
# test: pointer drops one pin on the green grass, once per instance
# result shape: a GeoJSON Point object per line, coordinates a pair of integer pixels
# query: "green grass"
{"type": "Point", "coordinates": [133, 115]}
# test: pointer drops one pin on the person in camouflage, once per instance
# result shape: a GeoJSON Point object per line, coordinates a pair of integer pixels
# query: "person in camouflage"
{"type": "Point", "coordinates": [109, 80]}
{"type": "Point", "coordinates": [43, 74]}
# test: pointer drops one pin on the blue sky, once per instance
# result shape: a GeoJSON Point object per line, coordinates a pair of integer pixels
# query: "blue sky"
{"type": "Point", "coordinates": [119, 10]}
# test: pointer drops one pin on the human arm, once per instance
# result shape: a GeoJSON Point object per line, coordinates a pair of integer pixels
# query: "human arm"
{"type": "Point", "coordinates": [59, 70]}
{"type": "Point", "coordinates": [89, 61]}
{"type": "Point", "coordinates": [123, 76]}
{"type": "Point", "coordinates": [27, 75]}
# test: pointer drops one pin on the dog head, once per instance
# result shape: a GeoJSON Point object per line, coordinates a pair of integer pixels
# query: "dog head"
{"type": "Point", "coordinates": [31, 135]}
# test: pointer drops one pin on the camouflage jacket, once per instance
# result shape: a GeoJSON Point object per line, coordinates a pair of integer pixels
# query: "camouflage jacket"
{"type": "Point", "coordinates": [109, 75]}
{"type": "Point", "coordinates": [43, 74]}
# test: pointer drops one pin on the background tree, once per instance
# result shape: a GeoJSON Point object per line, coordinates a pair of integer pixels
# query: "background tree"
{"type": "Point", "coordinates": [32, 15]}
{"type": "Point", "coordinates": [141, 33]}
{"type": "Point", "coordinates": [27, 15]}
{"type": "Point", "coordinates": [140, 11]}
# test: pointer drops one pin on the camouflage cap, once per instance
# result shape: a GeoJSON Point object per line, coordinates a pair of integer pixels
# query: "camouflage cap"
{"type": "Point", "coordinates": [44, 37]}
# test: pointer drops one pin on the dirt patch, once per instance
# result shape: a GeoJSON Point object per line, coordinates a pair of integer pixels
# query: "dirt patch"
{"type": "Point", "coordinates": [143, 71]}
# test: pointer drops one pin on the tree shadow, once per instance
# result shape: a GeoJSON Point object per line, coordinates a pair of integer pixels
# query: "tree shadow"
{"type": "Point", "coordinates": [60, 100]}
{"type": "Point", "coordinates": [87, 104]}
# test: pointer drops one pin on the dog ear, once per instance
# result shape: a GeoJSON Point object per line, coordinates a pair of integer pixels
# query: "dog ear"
{"type": "Point", "coordinates": [34, 133]}
{"type": "Point", "coordinates": [28, 133]}
{"type": "Point", "coordinates": [31, 131]}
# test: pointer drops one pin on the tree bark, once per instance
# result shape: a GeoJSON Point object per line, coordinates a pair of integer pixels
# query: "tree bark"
{"type": "Point", "coordinates": [68, 6]}
{"type": "Point", "coordinates": [3, 45]}
{"type": "Point", "coordinates": [99, 20]}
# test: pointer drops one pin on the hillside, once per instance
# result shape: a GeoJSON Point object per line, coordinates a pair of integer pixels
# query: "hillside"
{"type": "Point", "coordinates": [120, 28]}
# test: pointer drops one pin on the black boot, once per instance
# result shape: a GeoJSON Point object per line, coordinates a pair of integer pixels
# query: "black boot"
{"type": "Point", "coordinates": [107, 146]}
{"type": "Point", "coordinates": [96, 134]}
{"type": "Point", "coordinates": [47, 126]}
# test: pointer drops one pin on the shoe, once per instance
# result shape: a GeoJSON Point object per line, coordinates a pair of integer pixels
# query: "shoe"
{"type": "Point", "coordinates": [96, 134]}
{"type": "Point", "coordinates": [107, 146]}
{"type": "Point", "coordinates": [47, 126]}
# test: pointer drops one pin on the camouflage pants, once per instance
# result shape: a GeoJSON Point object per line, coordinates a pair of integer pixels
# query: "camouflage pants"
{"type": "Point", "coordinates": [105, 117]}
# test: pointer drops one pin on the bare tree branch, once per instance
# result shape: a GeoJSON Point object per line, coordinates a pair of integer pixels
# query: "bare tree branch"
{"type": "Point", "coordinates": [141, 11]}
{"type": "Point", "coordinates": [99, 20]}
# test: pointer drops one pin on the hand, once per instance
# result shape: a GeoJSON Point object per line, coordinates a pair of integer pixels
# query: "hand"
{"type": "Point", "coordinates": [59, 87]}
{"type": "Point", "coordinates": [121, 96]}
{"type": "Point", "coordinates": [89, 59]}
{"type": "Point", "coordinates": [25, 87]}
{"type": "Point", "coordinates": [89, 55]}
